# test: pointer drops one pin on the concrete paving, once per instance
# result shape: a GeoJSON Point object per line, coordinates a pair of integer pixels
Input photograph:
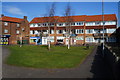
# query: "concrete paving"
{"type": "Point", "coordinates": [93, 66]}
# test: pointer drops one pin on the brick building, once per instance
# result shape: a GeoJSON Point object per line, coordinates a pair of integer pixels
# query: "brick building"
{"type": "Point", "coordinates": [85, 28]}
{"type": "Point", "coordinates": [14, 30]}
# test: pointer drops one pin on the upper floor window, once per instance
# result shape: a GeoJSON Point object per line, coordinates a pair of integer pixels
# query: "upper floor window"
{"type": "Point", "coordinates": [31, 32]}
{"type": "Point", "coordinates": [39, 24]}
{"type": "Point", "coordinates": [89, 30]}
{"type": "Point", "coordinates": [18, 25]}
{"type": "Point", "coordinates": [45, 31]}
{"type": "Point", "coordinates": [99, 30]}
{"type": "Point", "coordinates": [5, 31]}
{"type": "Point", "coordinates": [23, 29]}
{"type": "Point", "coordinates": [67, 24]}
{"type": "Point", "coordinates": [79, 31]}
{"type": "Point", "coordinates": [104, 22]}
{"type": "Point", "coordinates": [17, 31]}
{"type": "Point", "coordinates": [60, 24]}
{"type": "Point", "coordinates": [97, 23]}
{"type": "Point", "coordinates": [51, 24]}
{"type": "Point", "coordinates": [79, 23]}
{"type": "Point", "coordinates": [73, 24]}
{"type": "Point", "coordinates": [31, 25]}
{"type": "Point", "coordinates": [5, 23]}
{"type": "Point", "coordinates": [90, 23]}
{"type": "Point", "coordinates": [109, 22]}
{"type": "Point", "coordinates": [44, 24]}
{"type": "Point", "coordinates": [111, 30]}
{"type": "Point", "coordinates": [60, 31]}
{"type": "Point", "coordinates": [51, 31]}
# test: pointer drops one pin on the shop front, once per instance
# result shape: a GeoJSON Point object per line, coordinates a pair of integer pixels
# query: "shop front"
{"type": "Point", "coordinates": [36, 40]}
{"type": "Point", "coordinates": [4, 39]}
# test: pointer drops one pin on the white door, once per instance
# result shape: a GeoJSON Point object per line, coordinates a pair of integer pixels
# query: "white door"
{"type": "Point", "coordinates": [44, 40]}
{"type": "Point", "coordinates": [66, 41]}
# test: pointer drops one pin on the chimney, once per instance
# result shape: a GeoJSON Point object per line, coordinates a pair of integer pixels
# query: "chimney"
{"type": "Point", "coordinates": [25, 17]}
{"type": "Point", "coordinates": [2, 15]}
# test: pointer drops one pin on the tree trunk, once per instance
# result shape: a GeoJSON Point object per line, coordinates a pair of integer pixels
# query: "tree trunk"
{"type": "Point", "coordinates": [69, 43]}
{"type": "Point", "coordinates": [20, 41]}
{"type": "Point", "coordinates": [49, 41]}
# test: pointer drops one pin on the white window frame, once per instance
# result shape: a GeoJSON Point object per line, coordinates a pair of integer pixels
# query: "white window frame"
{"type": "Point", "coordinates": [79, 23]}
{"type": "Point", "coordinates": [17, 32]}
{"type": "Point", "coordinates": [6, 23]}
{"type": "Point", "coordinates": [31, 31]}
{"type": "Point", "coordinates": [31, 25]}
{"type": "Point", "coordinates": [89, 32]}
{"type": "Point", "coordinates": [5, 31]}
{"type": "Point", "coordinates": [89, 39]}
{"type": "Point", "coordinates": [78, 31]}
{"type": "Point", "coordinates": [18, 25]}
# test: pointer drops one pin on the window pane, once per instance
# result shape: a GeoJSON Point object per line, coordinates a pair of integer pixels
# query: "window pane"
{"type": "Point", "coordinates": [5, 23]}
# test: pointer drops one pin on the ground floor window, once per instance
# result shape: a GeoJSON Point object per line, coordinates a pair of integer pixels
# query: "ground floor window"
{"type": "Point", "coordinates": [89, 39]}
{"type": "Point", "coordinates": [79, 38]}
{"type": "Point", "coordinates": [60, 40]}
{"type": "Point", "coordinates": [32, 40]}
{"type": "Point", "coordinates": [51, 38]}
{"type": "Point", "coordinates": [4, 41]}
{"type": "Point", "coordinates": [111, 39]}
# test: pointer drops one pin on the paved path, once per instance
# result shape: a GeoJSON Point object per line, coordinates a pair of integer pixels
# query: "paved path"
{"type": "Point", "coordinates": [92, 67]}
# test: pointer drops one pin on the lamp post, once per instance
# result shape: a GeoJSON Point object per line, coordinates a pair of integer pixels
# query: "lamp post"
{"type": "Point", "coordinates": [103, 24]}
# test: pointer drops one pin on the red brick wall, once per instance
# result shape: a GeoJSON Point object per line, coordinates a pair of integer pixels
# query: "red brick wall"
{"type": "Point", "coordinates": [12, 28]}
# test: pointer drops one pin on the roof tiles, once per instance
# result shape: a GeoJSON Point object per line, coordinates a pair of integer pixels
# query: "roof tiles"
{"type": "Point", "coordinates": [11, 19]}
{"type": "Point", "coordinates": [107, 17]}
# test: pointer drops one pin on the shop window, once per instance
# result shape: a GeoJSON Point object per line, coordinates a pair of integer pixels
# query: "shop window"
{"type": "Point", "coordinates": [32, 40]}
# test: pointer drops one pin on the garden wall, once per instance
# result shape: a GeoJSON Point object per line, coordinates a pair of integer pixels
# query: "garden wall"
{"type": "Point", "coordinates": [113, 60]}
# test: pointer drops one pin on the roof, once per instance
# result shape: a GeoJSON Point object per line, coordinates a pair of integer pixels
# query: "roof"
{"type": "Point", "coordinates": [43, 19]}
{"type": "Point", "coordinates": [107, 17]}
{"type": "Point", "coordinates": [74, 18]}
{"type": "Point", "coordinates": [11, 19]}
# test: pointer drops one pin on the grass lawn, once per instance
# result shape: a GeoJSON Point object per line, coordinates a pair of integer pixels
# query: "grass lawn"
{"type": "Point", "coordinates": [40, 57]}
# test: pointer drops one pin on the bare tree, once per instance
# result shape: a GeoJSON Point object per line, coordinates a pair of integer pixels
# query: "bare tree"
{"type": "Point", "coordinates": [68, 20]}
{"type": "Point", "coordinates": [50, 19]}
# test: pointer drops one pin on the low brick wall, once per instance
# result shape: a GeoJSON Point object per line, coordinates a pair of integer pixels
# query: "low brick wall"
{"type": "Point", "coordinates": [113, 60]}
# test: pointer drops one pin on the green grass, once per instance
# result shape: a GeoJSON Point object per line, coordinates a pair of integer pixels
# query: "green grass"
{"type": "Point", "coordinates": [40, 57]}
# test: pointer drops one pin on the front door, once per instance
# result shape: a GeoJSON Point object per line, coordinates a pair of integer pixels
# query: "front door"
{"type": "Point", "coordinates": [44, 40]}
